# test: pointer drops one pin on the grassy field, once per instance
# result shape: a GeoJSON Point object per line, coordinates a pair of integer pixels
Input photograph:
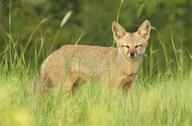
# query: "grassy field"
{"type": "Point", "coordinates": [167, 101]}
{"type": "Point", "coordinates": [162, 96]}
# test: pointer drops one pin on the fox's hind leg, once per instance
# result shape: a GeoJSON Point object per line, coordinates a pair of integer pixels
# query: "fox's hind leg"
{"type": "Point", "coordinates": [73, 81]}
{"type": "Point", "coordinates": [43, 84]}
{"type": "Point", "coordinates": [70, 82]}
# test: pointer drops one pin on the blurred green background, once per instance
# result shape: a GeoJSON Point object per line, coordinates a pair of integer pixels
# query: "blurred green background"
{"type": "Point", "coordinates": [29, 23]}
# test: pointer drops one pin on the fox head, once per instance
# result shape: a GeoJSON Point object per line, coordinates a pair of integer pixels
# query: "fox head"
{"type": "Point", "coordinates": [132, 45]}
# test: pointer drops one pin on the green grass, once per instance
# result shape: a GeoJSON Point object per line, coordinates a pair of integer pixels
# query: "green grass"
{"type": "Point", "coordinates": [167, 101]}
{"type": "Point", "coordinates": [161, 97]}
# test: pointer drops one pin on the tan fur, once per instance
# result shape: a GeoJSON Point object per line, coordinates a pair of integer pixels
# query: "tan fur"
{"type": "Point", "coordinates": [72, 65]}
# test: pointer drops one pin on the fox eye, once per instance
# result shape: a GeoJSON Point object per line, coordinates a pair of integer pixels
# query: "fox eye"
{"type": "Point", "coordinates": [138, 46]}
{"type": "Point", "coordinates": [125, 46]}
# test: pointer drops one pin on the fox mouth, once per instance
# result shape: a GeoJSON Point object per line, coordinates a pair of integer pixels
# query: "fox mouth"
{"type": "Point", "coordinates": [131, 55]}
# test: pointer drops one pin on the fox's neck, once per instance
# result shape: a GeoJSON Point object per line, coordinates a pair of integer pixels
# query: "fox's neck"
{"type": "Point", "coordinates": [128, 65]}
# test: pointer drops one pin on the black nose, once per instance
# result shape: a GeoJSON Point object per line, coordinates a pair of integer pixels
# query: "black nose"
{"type": "Point", "coordinates": [132, 54]}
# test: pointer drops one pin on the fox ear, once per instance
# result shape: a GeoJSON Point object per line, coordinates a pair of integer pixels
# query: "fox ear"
{"type": "Point", "coordinates": [118, 30]}
{"type": "Point", "coordinates": [144, 29]}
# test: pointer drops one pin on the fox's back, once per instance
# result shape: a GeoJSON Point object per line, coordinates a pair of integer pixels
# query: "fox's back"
{"type": "Point", "coordinates": [89, 60]}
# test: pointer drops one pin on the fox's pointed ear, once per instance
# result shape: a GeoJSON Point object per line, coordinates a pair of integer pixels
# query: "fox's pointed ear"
{"type": "Point", "coordinates": [118, 30]}
{"type": "Point", "coordinates": [145, 29]}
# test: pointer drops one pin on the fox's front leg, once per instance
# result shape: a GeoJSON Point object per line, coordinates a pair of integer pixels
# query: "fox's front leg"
{"type": "Point", "coordinates": [126, 85]}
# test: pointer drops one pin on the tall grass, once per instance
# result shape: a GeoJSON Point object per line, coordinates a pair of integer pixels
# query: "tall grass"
{"type": "Point", "coordinates": [163, 99]}
{"type": "Point", "coordinates": [166, 102]}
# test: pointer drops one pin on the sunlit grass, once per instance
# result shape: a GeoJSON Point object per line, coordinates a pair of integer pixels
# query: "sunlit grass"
{"type": "Point", "coordinates": [165, 102]}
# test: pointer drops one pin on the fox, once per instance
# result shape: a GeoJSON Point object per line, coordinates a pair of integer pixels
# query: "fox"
{"type": "Point", "coordinates": [72, 65]}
